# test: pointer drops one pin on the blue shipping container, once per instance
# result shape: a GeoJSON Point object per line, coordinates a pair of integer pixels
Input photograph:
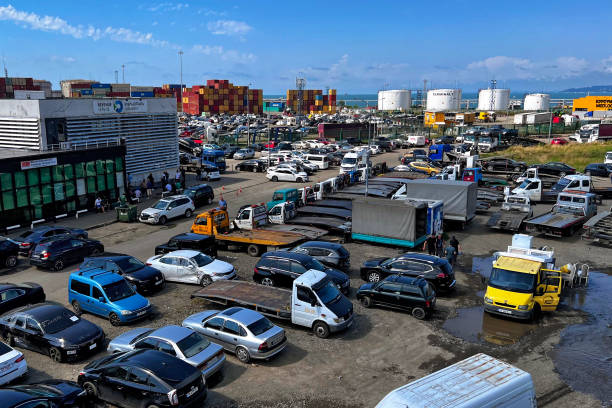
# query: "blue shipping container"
{"type": "Point", "coordinates": [141, 94]}
{"type": "Point", "coordinates": [174, 86]}
{"type": "Point", "coordinates": [86, 92]}
{"type": "Point", "coordinates": [100, 86]}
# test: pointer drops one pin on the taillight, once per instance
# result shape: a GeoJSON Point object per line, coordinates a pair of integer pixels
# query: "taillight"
{"type": "Point", "coordinates": [263, 346]}
{"type": "Point", "coordinates": [44, 254]}
{"type": "Point", "coordinates": [427, 303]}
{"type": "Point", "coordinates": [25, 244]}
{"type": "Point", "coordinates": [173, 397]}
{"type": "Point", "coordinates": [148, 263]}
{"type": "Point", "coordinates": [81, 373]}
{"type": "Point", "coordinates": [441, 275]}
{"type": "Point", "coordinates": [20, 359]}
{"type": "Point", "coordinates": [255, 270]}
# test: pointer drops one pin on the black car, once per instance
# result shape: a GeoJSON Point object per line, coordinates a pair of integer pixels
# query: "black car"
{"type": "Point", "coordinates": [598, 169]}
{"type": "Point", "coordinates": [555, 169]}
{"type": "Point", "coordinates": [27, 241]}
{"type": "Point", "coordinates": [13, 295]}
{"type": "Point", "coordinates": [230, 150]}
{"type": "Point", "coordinates": [188, 145]}
{"type": "Point", "coordinates": [200, 195]}
{"type": "Point", "coordinates": [280, 268]}
{"type": "Point", "coordinates": [9, 251]}
{"type": "Point", "coordinates": [335, 158]}
{"type": "Point", "coordinates": [258, 147]}
{"type": "Point", "coordinates": [47, 394]}
{"type": "Point", "coordinates": [197, 242]}
{"type": "Point", "coordinates": [146, 278]}
{"type": "Point", "coordinates": [252, 165]}
{"type": "Point", "coordinates": [400, 292]}
{"type": "Point", "coordinates": [51, 329]}
{"type": "Point", "coordinates": [144, 378]}
{"type": "Point", "coordinates": [446, 139]}
{"type": "Point", "coordinates": [384, 144]}
{"type": "Point", "coordinates": [62, 251]}
{"type": "Point", "coordinates": [502, 164]}
{"type": "Point", "coordinates": [285, 146]}
{"type": "Point", "coordinates": [328, 253]}
{"type": "Point", "coordinates": [437, 271]}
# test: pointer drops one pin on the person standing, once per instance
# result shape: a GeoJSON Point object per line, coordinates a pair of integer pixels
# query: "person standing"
{"type": "Point", "coordinates": [199, 174]}
{"type": "Point", "coordinates": [455, 243]}
{"type": "Point", "coordinates": [430, 244]}
{"type": "Point", "coordinates": [98, 205]}
{"type": "Point", "coordinates": [222, 203]}
{"type": "Point", "coordinates": [177, 176]}
{"type": "Point", "coordinates": [183, 177]}
{"type": "Point", "coordinates": [149, 188]}
{"type": "Point", "coordinates": [439, 246]}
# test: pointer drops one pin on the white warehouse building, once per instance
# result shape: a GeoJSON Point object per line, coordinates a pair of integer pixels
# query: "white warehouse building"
{"type": "Point", "coordinates": [147, 125]}
{"type": "Point", "coordinates": [441, 100]}
{"type": "Point", "coordinates": [396, 99]}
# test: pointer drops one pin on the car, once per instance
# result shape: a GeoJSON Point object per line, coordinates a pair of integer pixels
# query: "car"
{"type": "Point", "coordinates": [399, 292]}
{"type": "Point", "coordinates": [243, 154]}
{"type": "Point", "coordinates": [211, 146]}
{"type": "Point", "coordinates": [168, 208]}
{"type": "Point", "coordinates": [200, 195]}
{"type": "Point", "coordinates": [230, 150]}
{"type": "Point", "coordinates": [375, 149]}
{"type": "Point", "coordinates": [188, 240]}
{"type": "Point", "coordinates": [254, 166]}
{"type": "Point", "coordinates": [53, 330]}
{"type": "Point", "coordinates": [9, 251]}
{"type": "Point", "coordinates": [187, 266]}
{"type": "Point", "coordinates": [558, 141]}
{"type": "Point", "coordinates": [13, 295]}
{"type": "Point", "coordinates": [258, 147]}
{"type": "Point", "coordinates": [184, 343]}
{"type": "Point", "coordinates": [246, 333]}
{"type": "Point", "coordinates": [328, 253]}
{"type": "Point", "coordinates": [64, 250]}
{"type": "Point", "coordinates": [446, 139]}
{"type": "Point", "coordinates": [107, 295]}
{"type": "Point", "coordinates": [598, 169]}
{"type": "Point", "coordinates": [502, 164]}
{"type": "Point", "coordinates": [144, 378]}
{"type": "Point", "coordinates": [280, 268]}
{"type": "Point", "coordinates": [28, 239]}
{"type": "Point", "coordinates": [424, 166]}
{"type": "Point", "coordinates": [12, 365]}
{"type": "Point", "coordinates": [210, 172]}
{"type": "Point", "coordinates": [286, 174]}
{"type": "Point", "coordinates": [145, 278]}
{"type": "Point", "coordinates": [345, 148]}
{"type": "Point", "coordinates": [437, 271]}
{"type": "Point", "coordinates": [555, 169]}
{"type": "Point", "coordinates": [46, 394]}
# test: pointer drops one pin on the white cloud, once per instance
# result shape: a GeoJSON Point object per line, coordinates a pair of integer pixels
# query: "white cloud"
{"type": "Point", "coordinates": [49, 23]}
{"type": "Point", "coordinates": [57, 58]}
{"type": "Point", "coordinates": [228, 27]}
{"type": "Point", "coordinates": [223, 54]}
{"type": "Point", "coordinates": [213, 13]}
{"type": "Point", "coordinates": [164, 7]}
{"type": "Point", "coordinates": [523, 68]}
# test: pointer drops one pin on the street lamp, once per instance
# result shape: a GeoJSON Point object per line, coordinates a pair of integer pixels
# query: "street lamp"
{"type": "Point", "coordinates": [180, 53]}
{"type": "Point", "coordinates": [248, 116]}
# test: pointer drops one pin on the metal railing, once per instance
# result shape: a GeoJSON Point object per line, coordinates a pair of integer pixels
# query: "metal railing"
{"type": "Point", "coordinates": [86, 145]}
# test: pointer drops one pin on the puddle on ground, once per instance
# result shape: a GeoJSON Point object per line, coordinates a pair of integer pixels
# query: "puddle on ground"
{"type": "Point", "coordinates": [482, 266]}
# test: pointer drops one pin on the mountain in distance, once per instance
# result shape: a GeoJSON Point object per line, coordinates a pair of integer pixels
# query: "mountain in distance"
{"type": "Point", "coordinates": [594, 88]}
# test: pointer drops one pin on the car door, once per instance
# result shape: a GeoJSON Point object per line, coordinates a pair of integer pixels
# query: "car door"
{"type": "Point", "coordinates": [33, 336]}
{"type": "Point", "coordinates": [171, 210]}
{"type": "Point", "coordinates": [389, 293]}
{"type": "Point", "coordinates": [399, 266]}
{"type": "Point", "coordinates": [168, 267]}
{"type": "Point", "coordinates": [281, 272]}
{"type": "Point", "coordinates": [410, 297]}
{"type": "Point", "coordinates": [99, 307]}
{"type": "Point", "coordinates": [186, 271]}
{"type": "Point", "coordinates": [231, 334]}
{"type": "Point", "coordinates": [11, 298]}
{"type": "Point", "coordinates": [77, 250]}
{"type": "Point", "coordinates": [16, 327]}
{"type": "Point", "coordinates": [213, 329]}
{"type": "Point", "coordinates": [137, 387]}
{"type": "Point", "coordinates": [111, 384]}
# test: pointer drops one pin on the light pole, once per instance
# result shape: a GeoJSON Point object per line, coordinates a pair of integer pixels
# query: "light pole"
{"type": "Point", "coordinates": [123, 73]}
{"type": "Point", "coordinates": [248, 116]}
{"type": "Point", "coordinates": [180, 54]}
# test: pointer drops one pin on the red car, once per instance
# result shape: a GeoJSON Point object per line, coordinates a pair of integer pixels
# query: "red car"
{"type": "Point", "coordinates": [558, 141]}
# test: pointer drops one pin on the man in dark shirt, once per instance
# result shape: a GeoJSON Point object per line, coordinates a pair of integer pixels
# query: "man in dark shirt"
{"type": "Point", "coordinates": [455, 244]}
{"type": "Point", "coordinates": [430, 244]}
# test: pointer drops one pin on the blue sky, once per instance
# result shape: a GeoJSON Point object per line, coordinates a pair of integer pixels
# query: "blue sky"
{"type": "Point", "coordinates": [353, 46]}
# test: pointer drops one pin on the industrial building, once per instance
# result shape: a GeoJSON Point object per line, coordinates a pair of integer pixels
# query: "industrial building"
{"type": "Point", "coordinates": [442, 100]}
{"type": "Point", "coordinates": [593, 105]}
{"type": "Point", "coordinates": [394, 99]}
{"type": "Point", "coordinates": [495, 99]}
{"type": "Point", "coordinates": [148, 127]}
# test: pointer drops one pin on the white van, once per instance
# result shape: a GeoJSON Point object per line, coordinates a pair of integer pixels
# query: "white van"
{"type": "Point", "coordinates": [608, 158]}
{"type": "Point", "coordinates": [480, 381]}
{"type": "Point", "coordinates": [351, 161]}
{"type": "Point", "coordinates": [321, 160]}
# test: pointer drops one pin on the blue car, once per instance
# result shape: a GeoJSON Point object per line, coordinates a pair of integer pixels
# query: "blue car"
{"type": "Point", "coordinates": [106, 294]}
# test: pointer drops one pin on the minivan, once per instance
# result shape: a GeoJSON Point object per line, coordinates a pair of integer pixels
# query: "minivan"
{"type": "Point", "coordinates": [321, 160]}
{"type": "Point", "coordinates": [106, 294]}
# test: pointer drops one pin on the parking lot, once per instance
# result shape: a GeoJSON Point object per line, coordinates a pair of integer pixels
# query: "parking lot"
{"type": "Point", "coordinates": [384, 349]}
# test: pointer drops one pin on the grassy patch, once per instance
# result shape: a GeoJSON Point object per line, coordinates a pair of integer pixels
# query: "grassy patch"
{"type": "Point", "coordinates": [573, 154]}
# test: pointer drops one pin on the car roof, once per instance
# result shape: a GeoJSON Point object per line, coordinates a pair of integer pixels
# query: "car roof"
{"type": "Point", "coordinates": [321, 244]}
{"type": "Point", "coordinates": [110, 257]}
{"type": "Point", "coordinates": [242, 315]}
{"type": "Point", "coordinates": [174, 197]}
{"type": "Point", "coordinates": [190, 236]}
{"type": "Point", "coordinates": [196, 187]}
{"type": "Point", "coordinates": [406, 280]}
{"type": "Point", "coordinates": [10, 396]}
{"type": "Point", "coordinates": [97, 275]}
{"type": "Point", "coordinates": [285, 190]}
{"type": "Point", "coordinates": [187, 253]}
{"type": "Point", "coordinates": [40, 311]}
{"type": "Point", "coordinates": [422, 257]}
{"type": "Point", "coordinates": [172, 332]}
{"type": "Point", "coordinates": [7, 285]}
{"type": "Point", "coordinates": [165, 366]}
{"type": "Point", "coordinates": [288, 255]}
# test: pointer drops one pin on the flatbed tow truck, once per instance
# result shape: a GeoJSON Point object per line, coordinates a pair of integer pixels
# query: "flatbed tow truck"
{"type": "Point", "coordinates": [599, 228]}
{"type": "Point", "coordinates": [572, 210]}
{"type": "Point", "coordinates": [514, 210]}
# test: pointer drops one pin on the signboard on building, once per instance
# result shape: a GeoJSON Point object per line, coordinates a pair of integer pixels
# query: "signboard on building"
{"type": "Point", "coordinates": [34, 164]}
{"type": "Point", "coordinates": [110, 106]}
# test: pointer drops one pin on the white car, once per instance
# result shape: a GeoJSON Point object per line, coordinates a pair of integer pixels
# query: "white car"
{"type": "Point", "coordinates": [286, 174]}
{"type": "Point", "coordinates": [12, 364]}
{"type": "Point", "coordinates": [244, 154]}
{"type": "Point", "coordinates": [210, 173]}
{"type": "Point", "coordinates": [374, 149]}
{"type": "Point", "coordinates": [189, 266]}
{"type": "Point", "coordinates": [166, 209]}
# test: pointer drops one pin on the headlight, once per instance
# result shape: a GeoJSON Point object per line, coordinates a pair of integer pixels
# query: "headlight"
{"type": "Point", "coordinates": [488, 300]}
{"type": "Point", "coordinates": [523, 307]}
{"type": "Point", "coordinates": [338, 320]}
{"type": "Point", "coordinates": [126, 312]}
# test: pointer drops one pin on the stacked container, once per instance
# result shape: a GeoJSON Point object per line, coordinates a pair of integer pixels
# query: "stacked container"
{"type": "Point", "coordinates": [176, 91]}
{"type": "Point", "coordinates": [141, 92]}
{"type": "Point", "coordinates": [221, 96]}
{"type": "Point", "coordinates": [9, 85]}
{"type": "Point", "coordinates": [313, 101]}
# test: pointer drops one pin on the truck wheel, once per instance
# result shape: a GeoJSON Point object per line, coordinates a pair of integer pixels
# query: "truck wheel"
{"type": "Point", "coordinates": [418, 313]}
{"type": "Point", "coordinates": [253, 250]}
{"type": "Point", "coordinates": [243, 354]}
{"type": "Point", "coordinates": [321, 330]}
{"type": "Point", "coordinates": [373, 276]}
{"type": "Point", "coordinates": [267, 281]}
{"type": "Point", "coordinates": [366, 301]}
{"type": "Point", "coordinates": [274, 178]}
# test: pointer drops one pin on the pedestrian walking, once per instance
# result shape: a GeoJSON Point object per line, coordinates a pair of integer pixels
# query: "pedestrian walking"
{"type": "Point", "coordinates": [151, 179]}
{"type": "Point", "coordinates": [149, 188]}
{"type": "Point", "coordinates": [450, 253]}
{"type": "Point", "coordinates": [439, 246]}
{"type": "Point", "coordinates": [183, 177]}
{"type": "Point", "coordinates": [177, 176]}
{"type": "Point", "coordinates": [430, 244]}
{"type": "Point", "coordinates": [455, 243]}
{"type": "Point", "coordinates": [199, 174]}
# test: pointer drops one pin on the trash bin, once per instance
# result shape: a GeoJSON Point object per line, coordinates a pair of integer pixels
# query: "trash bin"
{"type": "Point", "coordinates": [127, 213]}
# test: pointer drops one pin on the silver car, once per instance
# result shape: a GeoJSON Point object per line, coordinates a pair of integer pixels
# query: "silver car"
{"type": "Point", "coordinates": [184, 343]}
{"type": "Point", "coordinates": [243, 154]}
{"type": "Point", "coordinates": [244, 332]}
{"type": "Point", "coordinates": [189, 266]}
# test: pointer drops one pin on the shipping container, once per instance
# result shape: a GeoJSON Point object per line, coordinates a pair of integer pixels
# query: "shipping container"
{"type": "Point", "coordinates": [141, 94]}
{"type": "Point", "coordinates": [141, 89]}
{"type": "Point", "coordinates": [93, 86]}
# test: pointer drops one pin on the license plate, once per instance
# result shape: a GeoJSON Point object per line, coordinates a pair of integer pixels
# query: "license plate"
{"type": "Point", "coordinates": [93, 346]}
{"type": "Point", "coordinates": [141, 313]}
{"type": "Point", "coordinates": [504, 311]}
{"type": "Point", "coordinates": [6, 368]}
{"type": "Point", "coordinates": [71, 352]}
{"type": "Point", "coordinates": [159, 282]}
{"type": "Point", "coordinates": [193, 391]}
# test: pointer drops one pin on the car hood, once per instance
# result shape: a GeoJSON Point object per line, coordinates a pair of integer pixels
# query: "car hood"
{"type": "Point", "coordinates": [67, 388]}
{"type": "Point", "coordinates": [374, 262]}
{"type": "Point", "coordinates": [366, 286]}
{"type": "Point", "coordinates": [340, 307]}
{"type": "Point", "coordinates": [217, 266]}
{"type": "Point", "coordinates": [336, 275]}
{"type": "Point", "coordinates": [122, 342]}
{"type": "Point", "coordinates": [151, 211]}
{"type": "Point", "coordinates": [144, 274]}
{"type": "Point", "coordinates": [131, 303]}
{"type": "Point", "coordinates": [78, 333]}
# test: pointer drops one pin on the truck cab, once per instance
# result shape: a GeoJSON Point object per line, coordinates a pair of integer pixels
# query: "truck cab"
{"type": "Point", "coordinates": [211, 222]}
{"type": "Point", "coordinates": [285, 194]}
{"type": "Point", "coordinates": [281, 212]}
{"type": "Point", "coordinates": [574, 182]}
{"type": "Point", "coordinates": [473, 175]}
{"type": "Point", "coordinates": [533, 187]}
{"type": "Point", "coordinates": [251, 216]}
{"type": "Point", "coordinates": [436, 152]}
{"type": "Point", "coordinates": [214, 158]}
{"type": "Point", "coordinates": [523, 281]}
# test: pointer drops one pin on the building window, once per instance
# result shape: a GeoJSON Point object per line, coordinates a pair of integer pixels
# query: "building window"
{"type": "Point", "coordinates": [110, 167]}
{"type": "Point", "coordinates": [45, 175]}
{"type": "Point", "coordinates": [100, 166]}
{"type": "Point", "coordinates": [68, 172]}
{"type": "Point", "coordinates": [79, 170]}
{"type": "Point", "coordinates": [22, 197]}
{"type": "Point", "coordinates": [33, 177]}
{"type": "Point", "coordinates": [91, 185]}
{"type": "Point", "coordinates": [35, 198]}
{"type": "Point", "coordinates": [8, 202]}
{"type": "Point", "coordinates": [47, 193]}
{"type": "Point", "coordinates": [6, 180]}
{"type": "Point", "coordinates": [119, 163]}
{"type": "Point", "coordinates": [59, 192]}
{"type": "Point", "coordinates": [20, 179]}
{"type": "Point", "coordinates": [58, 173]}
{"type": "Point", "coordinates": [81, 187]}
{"type": "Point", "coordinates": [90, 169]}
{"type": "Point", "coordinates": [70, 189]}
{"type": "Point", "coordinates": [110, 181]}
{"type": "Point", "coordinates": [101, 183]}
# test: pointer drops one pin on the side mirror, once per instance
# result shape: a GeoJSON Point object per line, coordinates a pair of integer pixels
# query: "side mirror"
{"type": "Point", "coordinates": [101, 299]}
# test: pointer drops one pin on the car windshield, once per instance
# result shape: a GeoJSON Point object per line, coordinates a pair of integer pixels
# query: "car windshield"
{"type": "Point", "coordinates": [4, 349]}
{"type": "Point", "coordinates": [60, 322]}
{"type": "Point", "coordinates": [220, 159]}
{"type": "Point", "coordinates": [141, 336]}
{"type": "Point", "coordinates": [189, 193]}
{"type": "Point", "coordinates": [26, 234]}
{"type": "Point", "coordinates": [193, 344]}
{"type": "Point", "coordinates": [329, 293]}
{"type": "Point", "coordinates": [315, 264]}
{"type": "Point", "coordinates": [512, 281]}
{"type": "Point", "coordinates": [387, 262]}
{"type": "Point", "coordinates": [524, 184]}
{"type": "Point", "coordinates": [161, 205]}
{"type": "Point", "coordinates": [129, 265]}
{"type": "Point", "coordinates": [278, 197]}
{"type": "Point", "coordinates": [349, 160]}
{"type": "Point", "coordinates": [202, 260]}
{"type": "Point", "coordinates": [561, 184]}
{"type": "Point", "coordinates": [118, 290]}
{"type": "Point", "coordinates": [260, 326]}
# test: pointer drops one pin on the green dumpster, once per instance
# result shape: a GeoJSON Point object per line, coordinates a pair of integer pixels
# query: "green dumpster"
{"type": "Point", "coordinates": [127, 213]}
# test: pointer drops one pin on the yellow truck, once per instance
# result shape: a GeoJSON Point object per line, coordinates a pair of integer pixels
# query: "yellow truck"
{"type": "Point", "coordinates": [524, 281]}
{"type": "Point", "coordinates": [256, 241]}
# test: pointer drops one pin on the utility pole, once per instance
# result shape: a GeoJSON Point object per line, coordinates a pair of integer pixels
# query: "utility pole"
{"type": "Point", "coordinates": [180, 54]}
{"type": "Point", "coordinates": [248, 117]}
{"type": "Point", "coordinates": [123, 73]}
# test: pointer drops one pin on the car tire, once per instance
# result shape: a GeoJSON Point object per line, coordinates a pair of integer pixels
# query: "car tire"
{"type": "Point", "coordinates": [243, 354]}
{"type": "Point", "coordinates": [95, 251]}
{"type": "Point", "coordinates": [162, 220]}
{"type": "Point", "coordinates": [152, 406]}
{"type": "Point", "coordinates": [8, 339]}
{"type": "Point", "coordinates": [91, 389]}
{"type": "Point", "coordinates": [55, 354]}
{"type": "Point", "coordinates": [10, 261]}
{"type": "Point", "coordinates": [114, 319]}
{"type": "Point", "coordinates": [253, 250]}
{"type": "Point", "coordinates": [366, 301]}
{"type": "Point", "coordinates": [77, 308]}
{"type": "Point", "coordinates": [206, 280]}
{"type": "Point", "coordinates": [321, 330]}
{"type": "Point", "coordinates": [418, 313]}
{"type": "Point", "coordinates": [274, 178]}
{"type": "Point", "coordinates": [254, 169]}
{"type": "Point", "coordinates": [237, 168]}
{"type": "Point", "coordinates": [562, 174]}
{"type": "Point", "coordinates": [299, 180]}
{"type": "Point", "coordinates": [373, 276]}
{"type": "Point", "coordinates": [58, 265]}
{"type": "Point", "coordinates": [188, 213]}
{"type": "Point", "coordinates": [267, 281]}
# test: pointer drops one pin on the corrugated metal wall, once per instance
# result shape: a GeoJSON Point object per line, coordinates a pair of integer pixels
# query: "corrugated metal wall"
{"type": "Point", "coordinates": [20, 133]}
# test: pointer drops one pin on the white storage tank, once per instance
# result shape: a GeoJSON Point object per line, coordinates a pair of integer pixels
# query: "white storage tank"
{"type": "Point", "coordinates": [439, 100]}
{"type": "Point", "coordinates": [501, 99]}
{"type": "Point", "coordinates": [537, 102]}
{"type": "Point", "coordinates": [395, 99]}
